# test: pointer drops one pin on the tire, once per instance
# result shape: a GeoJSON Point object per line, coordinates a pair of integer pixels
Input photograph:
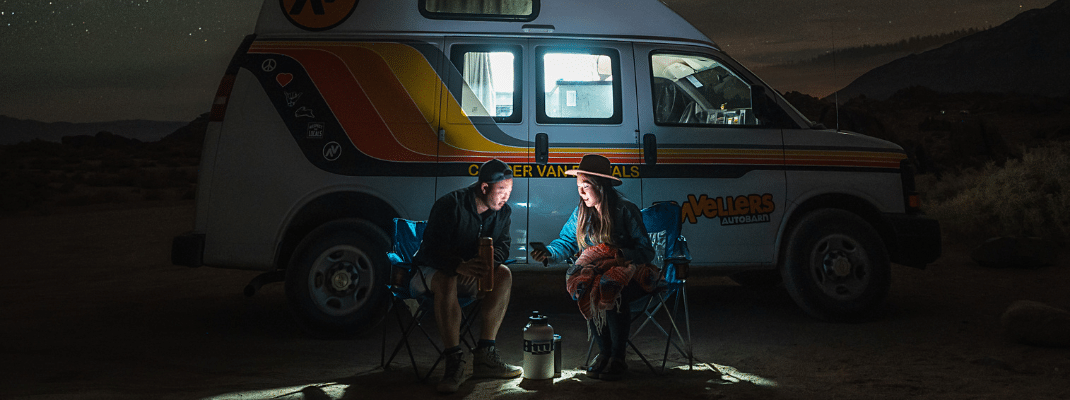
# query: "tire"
{"type": "Point", "coordinates": [836, 266]}
{"type": "Point", "coordinates": [757, 278]}
{"type": "Point", "coordinates": [336, 279]}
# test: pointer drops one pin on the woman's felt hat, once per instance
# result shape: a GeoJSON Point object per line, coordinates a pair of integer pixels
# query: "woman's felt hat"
{"type": "Point", "coordinates": [597, 165]}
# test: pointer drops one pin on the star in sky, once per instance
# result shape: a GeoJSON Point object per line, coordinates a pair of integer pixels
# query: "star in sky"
{"type": "Point", "coordinates": [99, 60]}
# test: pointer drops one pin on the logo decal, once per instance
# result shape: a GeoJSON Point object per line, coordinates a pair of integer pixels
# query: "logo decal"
{"type": "Point", "coordinates": [284, 79]}
{"type": "Point", "coordinates": [331, 151]}
{"type": "Point", "coordinates": [315, 131]}
{"type": "Point", "coordinates": [745, 209]}
{"type": "Point", "coordinates": [537, 347]}
{"type": "Point", "coordinates": [304, 112]}
{"type": "Point", "coordinates": [317, 15]}
{"type": "Point", "coordinates": [268, 65]}
{"type": "Point", "coordinates": [291, 98]}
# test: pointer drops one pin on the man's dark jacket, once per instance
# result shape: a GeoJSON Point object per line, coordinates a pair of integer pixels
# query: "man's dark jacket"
{"type": "Point", "coordinates": [454, 228]}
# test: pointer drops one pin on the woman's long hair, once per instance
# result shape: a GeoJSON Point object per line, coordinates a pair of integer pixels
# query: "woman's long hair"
{"type": "Point", "coordinates": [591, 227]}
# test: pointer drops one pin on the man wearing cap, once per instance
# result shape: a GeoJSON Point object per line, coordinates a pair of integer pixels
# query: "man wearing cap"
{"type": "Point", "coordinates": [449, 260]}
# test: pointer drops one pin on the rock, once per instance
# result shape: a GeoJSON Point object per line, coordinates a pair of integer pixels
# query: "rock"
{"type": "Point", "coordinates": [1014, 252]}
{"type": "Point", "coordinates": [1037, 324]}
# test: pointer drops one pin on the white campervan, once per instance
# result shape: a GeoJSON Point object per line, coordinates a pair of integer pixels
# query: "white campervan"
{"type": "Point", "coordinates": [337, 116]}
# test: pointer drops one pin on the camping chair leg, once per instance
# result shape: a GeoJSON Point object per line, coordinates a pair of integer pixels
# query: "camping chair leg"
{"type": "Point", "coordinates": [382, 348]}
{"type": "Point", "coordinates": [641, 356]}
{"type": "Point", "coordinates": [672, 329]}
{"type": "Point", "coordinates": [649, 314]}
{"type": "Point", "coordinates": [404, 341]}
{"type": "Point", "coordinates": [681, 296]}
{"type": "Point", "coordinates": [687, 324]}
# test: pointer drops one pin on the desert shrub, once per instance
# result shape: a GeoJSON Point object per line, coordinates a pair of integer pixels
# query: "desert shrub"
{"type": "Point", "coordinates": [74, 200]}
{"type": "Point", "coordinates": [152, 195]}
{"type": "Point", "coordinates": [1023, 197]}
{"type": "Point", "coordinates": [97, 179]}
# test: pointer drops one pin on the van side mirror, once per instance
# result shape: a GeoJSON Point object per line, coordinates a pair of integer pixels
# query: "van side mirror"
{"type": "Point", "coordinates": [768, 111]}
{"type": "Point", "coordinates": [760, 99]}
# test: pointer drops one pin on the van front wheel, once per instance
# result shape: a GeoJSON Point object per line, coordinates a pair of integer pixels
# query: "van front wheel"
{"type": "Point", "coordinates": [336, 280]}
{"type": "Point", "coordinates": [836, 266]}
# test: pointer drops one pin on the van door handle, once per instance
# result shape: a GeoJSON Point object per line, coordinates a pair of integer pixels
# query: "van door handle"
{"type": "Point", "coordinates": [542, 148]}
{"type": "Point", "coordinates": [650, 149]}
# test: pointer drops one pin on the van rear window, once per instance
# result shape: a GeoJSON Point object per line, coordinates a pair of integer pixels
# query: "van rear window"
{"type": "Point", "coordinates": [481, 10]}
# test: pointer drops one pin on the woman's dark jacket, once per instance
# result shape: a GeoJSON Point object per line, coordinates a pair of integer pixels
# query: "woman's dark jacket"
{"type": "Point", "coordinates": [629, 235]}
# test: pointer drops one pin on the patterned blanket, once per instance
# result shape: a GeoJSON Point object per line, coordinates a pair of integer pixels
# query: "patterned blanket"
{"type": "Point", "coordinates": [597, 278]}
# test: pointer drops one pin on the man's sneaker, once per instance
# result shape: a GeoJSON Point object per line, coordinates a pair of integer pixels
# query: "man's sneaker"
{"type": "Point", "coordinates": [488, 364]}
{"type": "Point", "coordinates": [454, 374]}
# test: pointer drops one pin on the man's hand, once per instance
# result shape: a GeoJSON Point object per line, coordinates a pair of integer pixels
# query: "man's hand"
{"type": "Point", "coordinates": [473, 268]}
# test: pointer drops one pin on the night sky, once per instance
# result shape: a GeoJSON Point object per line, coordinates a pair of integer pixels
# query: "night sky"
{"type": "Point", "coordinates": [102, 60]}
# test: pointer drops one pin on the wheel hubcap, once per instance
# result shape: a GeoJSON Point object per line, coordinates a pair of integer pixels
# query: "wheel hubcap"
{"type": "Point", "coordinates": [837, 264]}
{"type": "Point", "coordinates": [841, 268]}
{"type": "Point", "coordinates": [340, 280]}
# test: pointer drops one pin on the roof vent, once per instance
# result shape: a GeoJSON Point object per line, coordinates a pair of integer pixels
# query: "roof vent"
{"type": "Point", "coordinates": [532, 28]}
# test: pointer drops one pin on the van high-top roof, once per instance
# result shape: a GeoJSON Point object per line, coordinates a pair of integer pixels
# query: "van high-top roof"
{"type": "Point", "coordinates": [552, 18]}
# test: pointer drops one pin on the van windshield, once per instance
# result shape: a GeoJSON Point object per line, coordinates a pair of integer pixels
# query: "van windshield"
{"type": "Point", "coordinates": [506, 10]}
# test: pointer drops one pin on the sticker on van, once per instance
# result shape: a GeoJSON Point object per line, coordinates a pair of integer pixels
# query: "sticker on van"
{"type": "Point", "coordinates": [732, 210]}
{"type": "Point", "coordinates": [317, 15]}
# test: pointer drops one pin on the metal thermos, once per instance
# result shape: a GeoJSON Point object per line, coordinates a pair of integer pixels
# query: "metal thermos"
{"type": "Point", "coordinates": [486, 254]}
{"type": "Point", "coordinates": [538, 348]}
{"type": "Point", "coordinates": [557, 356]}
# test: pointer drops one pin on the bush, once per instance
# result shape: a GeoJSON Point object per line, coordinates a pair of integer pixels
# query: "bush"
{"type": "Point", "coordinates": [1024, 197]}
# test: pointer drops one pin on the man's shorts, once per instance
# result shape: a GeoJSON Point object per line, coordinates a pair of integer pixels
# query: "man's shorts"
{"type": "Point", "coordinates": [465, 287]}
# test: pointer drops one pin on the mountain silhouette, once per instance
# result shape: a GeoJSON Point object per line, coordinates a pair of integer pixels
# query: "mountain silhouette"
{"type": "Point", "coordinates": [14, 130]}
{"type": "Point", "coordinates": [1029, 55]}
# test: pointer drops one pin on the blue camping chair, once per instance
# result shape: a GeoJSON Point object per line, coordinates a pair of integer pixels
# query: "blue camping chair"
{"type": "Point", "coordinates": [407, 237]}
{"type": "Point", "coordinates": [669, 299]}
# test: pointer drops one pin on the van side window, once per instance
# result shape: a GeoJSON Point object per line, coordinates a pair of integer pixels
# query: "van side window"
{"type": "Point", "coordinates": [578, 86]}
{"type": "Point", "coordinates": [481, 10]}
{"type": "Point", "coordinates": [492, 81]}
{"type": "Point", "coordinates": [694, 90]}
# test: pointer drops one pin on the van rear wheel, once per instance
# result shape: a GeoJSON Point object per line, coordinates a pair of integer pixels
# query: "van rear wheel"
{"type": "Point", "coordinates": [836, 266]}
{"type": "Point", "coordinates": [336, 280]}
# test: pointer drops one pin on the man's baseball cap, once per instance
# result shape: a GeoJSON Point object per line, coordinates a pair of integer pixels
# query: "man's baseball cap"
{"type": "Point", "coordinates": [494, 171]}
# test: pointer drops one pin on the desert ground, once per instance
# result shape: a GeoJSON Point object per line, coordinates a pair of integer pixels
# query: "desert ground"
{"type": "Point", "coordinates": [91, 308]}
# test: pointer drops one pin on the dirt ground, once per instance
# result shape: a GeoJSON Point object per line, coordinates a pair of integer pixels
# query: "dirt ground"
{"type": "Point", "coordinates": [90, 308]}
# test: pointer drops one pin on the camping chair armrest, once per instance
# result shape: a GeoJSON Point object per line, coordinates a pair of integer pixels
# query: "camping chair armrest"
{"type": "Point", "coordinates": [401, 273]}
{"type": "Point", "coordinates": [681, 270]}
{"type": "Point", "coordinates": [680, 258]}
{"type": "Point", "coordinates": [680, 253]}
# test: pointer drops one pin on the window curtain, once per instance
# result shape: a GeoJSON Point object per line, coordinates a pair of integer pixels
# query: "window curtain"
{"type": "Point", "coordinates": [499, 7]}
{"type": "Point", "coordinates": [480, 77]}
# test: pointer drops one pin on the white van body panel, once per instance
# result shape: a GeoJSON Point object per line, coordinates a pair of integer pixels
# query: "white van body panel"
{"type": "Point", "coordinates": [271, 181]}
{"type": "Point", "coordinates": [589, 18]}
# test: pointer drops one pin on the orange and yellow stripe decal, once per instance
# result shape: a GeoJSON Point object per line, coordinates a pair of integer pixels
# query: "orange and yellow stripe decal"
{"type": "Point", "coordinates": [387, 97]}
{"type": "Point", "coordinates": [829, 158]}
{"type": "Point", "coordinates": [721, 156]}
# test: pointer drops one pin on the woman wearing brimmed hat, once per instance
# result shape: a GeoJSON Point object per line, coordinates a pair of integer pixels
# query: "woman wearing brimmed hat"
{"type": "Point", "coordinates": [612, 254]}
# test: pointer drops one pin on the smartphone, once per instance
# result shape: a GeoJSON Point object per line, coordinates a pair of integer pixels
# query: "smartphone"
{"type": "Point", "coordinates": [541, 247]}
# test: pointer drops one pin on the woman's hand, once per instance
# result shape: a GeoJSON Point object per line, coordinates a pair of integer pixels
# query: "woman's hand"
{"type": "Point", "coordinates": [540, 255]}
